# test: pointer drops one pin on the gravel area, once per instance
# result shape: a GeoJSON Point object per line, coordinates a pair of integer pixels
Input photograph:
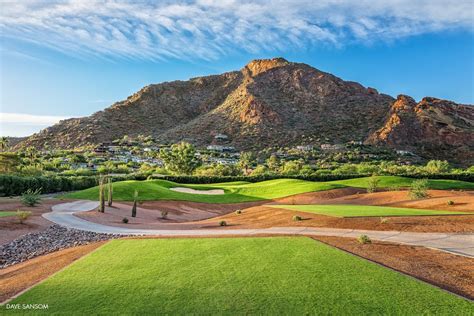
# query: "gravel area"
{"type": "Point", "coordinates": [54, 238]}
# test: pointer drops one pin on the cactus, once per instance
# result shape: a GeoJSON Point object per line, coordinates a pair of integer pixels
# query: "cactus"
{"type": "Point", "coordinates": [102, 194]}
{"type": "Point", "coordinates": [134, 208]}
{"type": "Point", "coordinates": [110, 191]}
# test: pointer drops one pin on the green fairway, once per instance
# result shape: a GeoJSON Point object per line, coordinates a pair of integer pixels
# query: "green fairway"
{"type": "Point", "coordinates": [364, 210]}
{"type": "Point", "coordinates": [7, 213]}
{"type": "Point", "coordinates": [395, 181]}
{"type": "Point", "coordinates": [234, 192]}
{"type": "Point", "coordinates": [234, 276]}
{"type": "Point", "coordinates": [244, 192]}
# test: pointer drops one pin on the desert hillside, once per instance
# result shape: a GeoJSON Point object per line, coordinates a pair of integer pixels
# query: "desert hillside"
{"type": "Point", "coordinates": [275, 102]}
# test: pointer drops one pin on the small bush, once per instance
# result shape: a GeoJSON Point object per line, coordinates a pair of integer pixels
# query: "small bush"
{"type": "Point", "coordinates": [297, 218]}
{"type": "Point", "coordinates": [164, 214]}
{"type": "Point", "coordinates": [419, 189]}
{"type": "Point", "coordinates": [395, 188]}
{"type": "Point", "coordinates": [23, 215]}
{"type": "Point", "coordinates": [450, 202]}
{"type": "Point", "coordinates": [372, 184]}
{"type": "Point", "coordinates": [31, 197]}
{"type": "Point", "coordinates": [125, 220]}
{"type": "Point", "coordinates": [222, 223]}
{"type": "Point", "coordinates": [364, 239]}
{"type": "Point", "coordinates": [383, 220]}
{"type": "Point", "coordinates": [238, 212]}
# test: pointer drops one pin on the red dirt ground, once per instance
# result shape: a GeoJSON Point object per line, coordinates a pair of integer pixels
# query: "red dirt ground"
{"type": "Point", "coordinates": [10, 227]}
{"type": "Point", "coordinates": [262, 216]}
{"type": "Point", "coordinates": [21, 276]}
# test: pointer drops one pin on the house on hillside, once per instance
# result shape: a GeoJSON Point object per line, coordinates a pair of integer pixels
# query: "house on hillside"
{"type": "Point", "coordinates": [222, 137]}
{"type": "Point", "coordinates": [332, 147]}
{"type": "Point", "coordinates": [220, 148]}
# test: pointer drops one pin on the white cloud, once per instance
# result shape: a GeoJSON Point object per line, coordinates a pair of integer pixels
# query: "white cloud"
{"type": "Point", "coordinates": [29, 119]}
{"type": "Point", "coordinates": [208, 29]}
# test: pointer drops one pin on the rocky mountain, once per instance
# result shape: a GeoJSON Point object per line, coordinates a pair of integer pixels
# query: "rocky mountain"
{"type": "Point", "coordinates": [274, 102]}
{"type": "Point", "coordinates": [431, 128]}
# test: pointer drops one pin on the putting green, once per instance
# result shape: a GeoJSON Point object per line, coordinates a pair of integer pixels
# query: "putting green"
{"type": "Point", "coordinates": [234, 276]}
{"type": "Point", "coordinates": [343, 210]}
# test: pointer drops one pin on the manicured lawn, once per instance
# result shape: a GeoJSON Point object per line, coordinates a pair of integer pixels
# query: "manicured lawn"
{"type": "Point", "coordinates": [234, 192]}
{"type": "Point", "coordinates": [7, 213]}
{"type": "Point", "coordinates": [234, 276]}
{"type": "Point", "coordinates": [395, 181]}
{"type": "Point", "coordinates": [363, 210]}
{"type": "Point", "coordinates": [243, 191]}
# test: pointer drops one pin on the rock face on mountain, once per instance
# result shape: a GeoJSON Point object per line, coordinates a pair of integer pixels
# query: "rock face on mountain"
{"type": "Point", "coordinates": [267, 103]}
{"type": "Point", "coordinates": [431, 128]}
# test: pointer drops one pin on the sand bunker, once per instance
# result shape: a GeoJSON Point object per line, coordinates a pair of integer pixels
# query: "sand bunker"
{"type": "Point", "coordinates": [204, 192]}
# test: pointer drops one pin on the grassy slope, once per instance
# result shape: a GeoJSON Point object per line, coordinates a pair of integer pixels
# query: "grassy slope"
{"type": "Point", "coordinates": [394, 181]}
{"type": "Point", "coordinates": [363, 210]}
{"type": "Point", "coordinates": [7, 213]}
{"type": "Point", "coordinates": [244, 192]}
{"type": "Point", "coordinates": [234, 192]}
{"type": "Point", "coordinates": [274, 276]}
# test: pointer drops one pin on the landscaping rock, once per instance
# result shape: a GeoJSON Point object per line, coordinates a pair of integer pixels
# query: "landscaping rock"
{"type": "Point", "coordinates": [52, 239]}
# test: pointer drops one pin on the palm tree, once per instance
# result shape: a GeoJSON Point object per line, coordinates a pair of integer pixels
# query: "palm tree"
{"type": "Point", "coordinates": [4, 143]}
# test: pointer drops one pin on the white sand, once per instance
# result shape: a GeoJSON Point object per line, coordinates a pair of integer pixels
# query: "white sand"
{"type": "Point", "coordinates": [192, 191]}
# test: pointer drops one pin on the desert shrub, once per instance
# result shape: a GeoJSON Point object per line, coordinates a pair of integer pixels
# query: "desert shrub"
{"type": "Point", "coordinates": [23, 215]}
{"type": "Point", "coordinates": [383, 220]}
{"type": "Point", "coordinates": [31, 197]}
{"type": "Point", "coordinates": [364, 239]}
{"type": "Point", "coordinates": [394, 188]}
{"type": "Point", "coordinates": [372, 184]}
{"type": "Point", "coordinates": [222, 223]}
{"type": "Point", "coordinates": [450, 202]}
{"type": "Point", "coordinates": [238, 212]}
{"type": "Point", "coordinates": [297, 218]}
{"type": "Point", "coordinates": [419, 189]}
{"type": "Point", "coordinates": [125, 220]}
{"type": "Point", "coordinates": [164, 214]}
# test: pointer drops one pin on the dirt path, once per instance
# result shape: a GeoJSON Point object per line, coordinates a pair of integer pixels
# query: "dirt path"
{"type": "Point", "coordinates": [22, 276]}
{"type": "Point", "coordinates": [462, 244]}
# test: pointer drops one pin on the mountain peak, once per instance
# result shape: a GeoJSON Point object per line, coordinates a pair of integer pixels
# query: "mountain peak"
{"type": "Point", "coordinates": [257, 66]}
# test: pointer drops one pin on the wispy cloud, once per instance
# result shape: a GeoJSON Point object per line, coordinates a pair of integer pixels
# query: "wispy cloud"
{"type": "Point", "coordinates": [208, 29]}
{"type": "Point", "coordinates": [29, 119]}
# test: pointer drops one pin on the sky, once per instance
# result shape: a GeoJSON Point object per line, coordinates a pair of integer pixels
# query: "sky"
{"type": "Point", "coordinates": [61, 59]}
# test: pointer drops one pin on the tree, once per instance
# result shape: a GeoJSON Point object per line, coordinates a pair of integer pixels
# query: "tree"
{"type": "Point", "coordinates": [110, 191]}
{"type": "Point", "coordinates": [437, 166]}
{"type": "Point", "coordinates": [9, 162]}
{"type": "Point", "coordinates": [246, 161]}
{"type": "Point", "coordinates": [134, 208]}
{"type": "Point", "coordinates": [102, 194]}
{"type": "Point", "coordinates": [4, 142]}
{"type": "Point", "coordinates": [180, 158]}
{"type": "Point", "coordinates": [292, 167]}
{"type": "Point", "coordinates": [273, 163]}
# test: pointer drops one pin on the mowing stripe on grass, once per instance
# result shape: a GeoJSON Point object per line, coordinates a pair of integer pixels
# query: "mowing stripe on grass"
{"type": "Point", "coordinates": [344, 210]}
{"type": "Point", "coordinates": [276, 275]}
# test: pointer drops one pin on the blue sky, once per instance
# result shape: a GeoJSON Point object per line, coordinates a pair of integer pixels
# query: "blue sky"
{"type": "Point", "coordinates": [71, 59]}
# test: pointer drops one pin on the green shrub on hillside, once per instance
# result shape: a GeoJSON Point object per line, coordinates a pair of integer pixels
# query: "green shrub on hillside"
{"type": "Point", "coordinates": [31, 197]}
{"type": "Point", "coordinates": [419, 189]}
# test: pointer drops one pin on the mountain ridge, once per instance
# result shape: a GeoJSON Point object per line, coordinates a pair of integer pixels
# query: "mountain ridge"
{"type": "Point", "coordinates": [274, 102]}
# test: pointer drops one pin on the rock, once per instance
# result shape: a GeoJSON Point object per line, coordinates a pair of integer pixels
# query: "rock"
{"type": "Point", "coordinates": [52, 239]}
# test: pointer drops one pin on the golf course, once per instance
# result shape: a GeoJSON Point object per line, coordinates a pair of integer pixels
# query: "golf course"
{"type": "Point", "coordinates": [236, 192]}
